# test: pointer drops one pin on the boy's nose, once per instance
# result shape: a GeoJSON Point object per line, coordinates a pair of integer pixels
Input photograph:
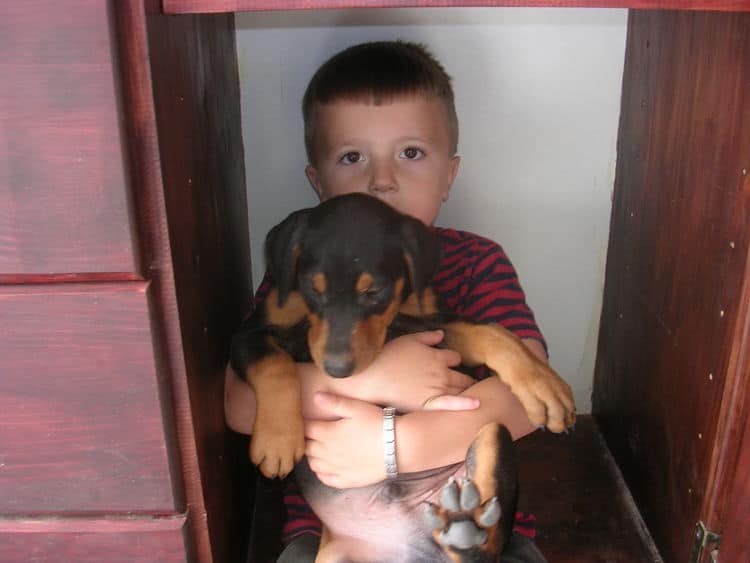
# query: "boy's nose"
{"type": "Point", "coordinates": [383, 180]}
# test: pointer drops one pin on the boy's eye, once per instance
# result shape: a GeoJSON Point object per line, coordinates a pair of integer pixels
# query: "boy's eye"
{"type": "Point", "coordinates": [412, 153]}
{"type": "Point", "coordinates": [352, 157]}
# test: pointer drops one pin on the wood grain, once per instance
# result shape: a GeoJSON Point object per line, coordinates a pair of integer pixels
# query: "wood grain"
{"type": "Point", "coordinates": [80, 417]}
{"type": "Point", "coordinates": [583, 509]}
{"type": "Point", "coordinates": [214, 6]}
{"type": "Point", "coordinates": [63, 195]}
{"type": "Point", "coordinates": [88, 547]}
{"type": "Point", "coordinates": [182, 107]}
{"type": "Point", "coordinates": [676, 262]}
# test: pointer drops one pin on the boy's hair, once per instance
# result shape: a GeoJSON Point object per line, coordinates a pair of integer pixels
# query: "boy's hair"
{"type": "Point", "coordinates": [377, 72]}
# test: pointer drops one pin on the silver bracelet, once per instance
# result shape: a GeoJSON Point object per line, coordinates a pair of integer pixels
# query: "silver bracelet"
{"type": "Point", "coordinates": [389, 442]}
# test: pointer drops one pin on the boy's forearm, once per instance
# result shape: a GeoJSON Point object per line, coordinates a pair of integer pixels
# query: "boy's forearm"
{"type": "Point", "coordinates": [430, 439]}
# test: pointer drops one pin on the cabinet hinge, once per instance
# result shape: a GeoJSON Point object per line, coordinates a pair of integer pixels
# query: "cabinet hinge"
{"type": "Point", "coordinates": [702, 538]}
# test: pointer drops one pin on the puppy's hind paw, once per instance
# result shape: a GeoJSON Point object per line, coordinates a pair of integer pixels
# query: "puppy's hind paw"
{"type": "Point", "coordinates": [461, 521]}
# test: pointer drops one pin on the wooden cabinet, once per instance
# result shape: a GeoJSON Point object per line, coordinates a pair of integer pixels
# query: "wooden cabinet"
{"type": "Point", "coordinates": [124, 266]}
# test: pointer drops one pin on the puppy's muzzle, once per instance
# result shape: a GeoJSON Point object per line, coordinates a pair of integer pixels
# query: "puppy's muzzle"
{"type": "Point", "coordinates": [338, 365]}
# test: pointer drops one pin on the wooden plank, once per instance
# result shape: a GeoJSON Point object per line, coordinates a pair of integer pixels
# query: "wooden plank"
{"type": "Point", "coordinates": [80, 412]}
{"type": "Point", "coordinates": [583, 510]}
{"type": "Point", "coordinates": [63, 195]}
{"type": "Point", "coordinates": [88, 524]}
{"type": "Point", "coordinates": [182, 107]}
{"type": "Point", "coordinates": [198, 113]}
{"type": "Point", "coordinates": [726, 508]}
{"type": "Point", "coordinates": [676, 261]}
{"type": "Point", "coordinates": [94, 547]}
{"type": "Point", "coordinates": [216, 6]}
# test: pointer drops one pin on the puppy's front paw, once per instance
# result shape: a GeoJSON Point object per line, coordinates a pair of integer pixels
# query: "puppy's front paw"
{"type": "Point", "coordinates": [546, 397]}
{"type": "Point", "coordinates": [277, 444]}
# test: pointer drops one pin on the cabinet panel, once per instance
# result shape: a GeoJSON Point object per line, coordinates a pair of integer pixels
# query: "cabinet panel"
{"type": "Point", "coordinates": [63, 194]}
{"type": "Point", "coordinates": [677, 261]}
{"type": "Point", "coordinates": [123, 547]}
{"type": "Point", "coordinates": [80, 417]}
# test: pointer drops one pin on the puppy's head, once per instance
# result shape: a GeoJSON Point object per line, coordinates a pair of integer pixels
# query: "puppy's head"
{"type": "Point", "coordinates": [354, 260]}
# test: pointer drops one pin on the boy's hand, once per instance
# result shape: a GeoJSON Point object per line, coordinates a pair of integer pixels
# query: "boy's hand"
{"type": "Point", "coordinates": [410, 374]}
{"type": "Point", "coordinates": [348, 451]}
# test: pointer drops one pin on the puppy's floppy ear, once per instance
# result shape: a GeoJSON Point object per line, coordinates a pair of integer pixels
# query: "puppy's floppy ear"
{"type": "Point", "coordinates": [422, 253]}
{"type": "Point", "coordinates": [282, 249]}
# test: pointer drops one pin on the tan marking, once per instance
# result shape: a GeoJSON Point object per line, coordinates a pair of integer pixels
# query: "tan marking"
{"type": "Point", "coordinates": [492, 345]}
{"type": "Point", "coordinates": [317, 338]}
{"type": "Point", "coordinates": [369, 334]}
{"type": "Point", "coordinates": [544, 395]}
{"type": "Point", "coordinates": [288, 315]}
{"type": "Point", "coordinates": [428, 302]}
{"type": "Point", "coordinates": [364, 282]}
{"type": "Point", "coordinates": [278, 439]}
{"type": "Point", "coordinates": [410, 267]}
{"type": "Point", "coordinates": [486, 454]}
{"type": "Point", "coordinates": [323, 555]}
{"type": "Point", "coordinates": [319, 283]}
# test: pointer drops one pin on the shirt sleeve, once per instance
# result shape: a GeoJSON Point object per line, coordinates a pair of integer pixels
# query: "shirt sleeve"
{"type": "Point", "coordinates": [478, 280]}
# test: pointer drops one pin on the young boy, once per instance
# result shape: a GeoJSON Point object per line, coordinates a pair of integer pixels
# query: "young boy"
{"type": "Point", "coordinates": [380, 119]}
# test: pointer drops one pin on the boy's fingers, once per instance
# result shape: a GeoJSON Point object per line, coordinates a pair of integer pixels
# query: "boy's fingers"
{"type": "Point", "coordinates": [460, 381]}
{"type": "Point", "coordinates": [335, 405]}
{"type": "Point", "coordinates": [451, 403]}
{"type": "Point", "coordinates": [451, 357]}
{"type": "Point", "coordinates": [429, 337]}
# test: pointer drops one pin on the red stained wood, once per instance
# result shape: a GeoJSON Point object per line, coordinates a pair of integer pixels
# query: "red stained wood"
{"type": "Point", "coordinates": [214, 6]}
{"type": "Point", "coordinates": [87, 547]}
{"type": "Point", "coordinates": [80, 417]}
{"type": "Point", "coordinates": [584, 512]}
{"type": "Point", "coordinates": [182, 108]}
{"type": "Point", "coordinates": [677, 263]}
{"type": "Point", "coordinates": [63, 192]}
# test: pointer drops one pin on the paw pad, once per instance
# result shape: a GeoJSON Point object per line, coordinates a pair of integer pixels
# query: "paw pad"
{"type": "Point", "coordinates": [460, 521]}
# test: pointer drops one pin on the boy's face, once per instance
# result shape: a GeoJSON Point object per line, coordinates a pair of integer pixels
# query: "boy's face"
{"type": "Point", "coordinates": [399, 152]}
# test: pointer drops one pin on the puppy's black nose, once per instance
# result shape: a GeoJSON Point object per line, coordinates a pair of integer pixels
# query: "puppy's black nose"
{"type": "Point", "coordinates": [338, 366]}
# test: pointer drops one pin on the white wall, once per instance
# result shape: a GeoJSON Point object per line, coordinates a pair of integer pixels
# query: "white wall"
{"type": "Point", "coordinates": [537, 94]}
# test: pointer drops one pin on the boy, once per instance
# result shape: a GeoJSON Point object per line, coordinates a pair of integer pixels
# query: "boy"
{"type": "Point", "coordinates": [380, 119]}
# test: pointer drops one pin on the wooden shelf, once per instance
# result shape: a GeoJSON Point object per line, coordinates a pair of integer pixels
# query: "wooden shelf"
{"type": "Point", "coordinates": [223, 6]}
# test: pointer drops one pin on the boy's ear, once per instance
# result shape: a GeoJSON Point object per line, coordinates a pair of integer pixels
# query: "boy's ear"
{"type": "Point", "coordinates": [422, 254]}
{"type": "Point", "coordinates": [312, 176]}
{"type": "Point", "coordinates": [282, 250]}
{"type": "Point", "coordinates": [452, 173]}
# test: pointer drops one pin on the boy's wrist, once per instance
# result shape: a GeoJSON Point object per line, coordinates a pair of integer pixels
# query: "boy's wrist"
{"type": "Point", "coordinates": [389, 442]}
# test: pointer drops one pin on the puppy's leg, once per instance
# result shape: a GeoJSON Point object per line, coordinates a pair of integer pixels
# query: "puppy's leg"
{"type": "Point", "coordinates": [278, 439]}
{"type": "Point", "coordinates": [474, 519]}
{"type": "Point", "coordinates": [546, 397]}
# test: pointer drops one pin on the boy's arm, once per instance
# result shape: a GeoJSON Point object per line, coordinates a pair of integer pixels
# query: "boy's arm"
{"type": "Point", "coordinates": [348, 452]}
{"type": "Point", "coordinates": [408, 374]}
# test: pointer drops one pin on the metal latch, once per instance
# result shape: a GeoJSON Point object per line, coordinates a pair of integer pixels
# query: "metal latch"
{"type": "Point", "coordinates": [703, 537]}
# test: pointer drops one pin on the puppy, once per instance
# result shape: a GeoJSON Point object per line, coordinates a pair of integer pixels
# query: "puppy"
{"type": "Point", "coordinates": [350, 274]}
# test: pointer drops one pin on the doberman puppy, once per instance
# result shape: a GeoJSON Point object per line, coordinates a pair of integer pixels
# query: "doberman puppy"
{"type": "Point", "coordinates": [351, 274]}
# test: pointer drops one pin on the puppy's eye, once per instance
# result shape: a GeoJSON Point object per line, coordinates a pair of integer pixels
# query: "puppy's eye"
{"type": "Point", "coordinates": [375, 293]}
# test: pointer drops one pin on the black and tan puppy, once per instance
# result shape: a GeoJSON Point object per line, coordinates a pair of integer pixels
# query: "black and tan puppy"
{"type": "Point", "coordinates": [350, 274]}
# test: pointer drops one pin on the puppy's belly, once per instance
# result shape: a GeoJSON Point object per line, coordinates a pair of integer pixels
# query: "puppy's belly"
{"type": "Point", "coordinates": [382, 522]}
